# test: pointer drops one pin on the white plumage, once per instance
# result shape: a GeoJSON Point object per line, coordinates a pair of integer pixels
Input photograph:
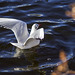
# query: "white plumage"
{"type": "Point", "coordinates": [24, 39]}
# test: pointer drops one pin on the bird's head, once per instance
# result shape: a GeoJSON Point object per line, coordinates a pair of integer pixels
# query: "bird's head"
{"type": "Point", "coordinates": [36, 26]}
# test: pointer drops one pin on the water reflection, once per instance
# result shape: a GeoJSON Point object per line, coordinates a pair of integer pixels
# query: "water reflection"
{"type": "Point", "coordinates": [42, 0]}
{"type": "Point", "coordinates": [36, 15]}
{"type": "Point", "coordinates": [30, 56]}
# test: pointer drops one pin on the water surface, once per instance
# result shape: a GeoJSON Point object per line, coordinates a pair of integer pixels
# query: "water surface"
{"type": "Point", "coordinates": [59, 35]}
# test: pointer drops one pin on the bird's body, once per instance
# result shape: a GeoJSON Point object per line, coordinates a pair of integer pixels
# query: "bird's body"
{"type": "Point", "coordinates": [24, 39]}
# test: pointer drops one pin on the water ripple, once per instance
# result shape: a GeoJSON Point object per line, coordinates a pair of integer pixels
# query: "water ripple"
{"type": "Point", "coordinates": [36, 15]}
{"type": "Point", "coordinates": [59, 34]}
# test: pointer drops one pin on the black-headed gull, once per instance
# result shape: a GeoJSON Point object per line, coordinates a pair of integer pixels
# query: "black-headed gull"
{"type": "Point", "coordinates": [24, 39]}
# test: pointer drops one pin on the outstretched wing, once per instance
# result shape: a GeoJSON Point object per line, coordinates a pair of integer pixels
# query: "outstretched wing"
{"type": "Point", "coordinates": [35, 37]}
{"type": "Point", "coordinates": [17, 26]}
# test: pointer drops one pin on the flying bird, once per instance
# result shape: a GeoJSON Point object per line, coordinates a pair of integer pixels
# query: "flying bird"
{"type": "Point", "coordinates": [24, 39]}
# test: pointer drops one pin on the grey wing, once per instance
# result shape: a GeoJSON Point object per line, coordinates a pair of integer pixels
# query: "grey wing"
{"type": "Point", "coordinates": [8, 23]}
{"type": "Point", "coordinates": [34, 38]}
{"type": "Point", "coordinates": [31, 42]}
{"type": "Point", "coordinates": [17, 26]}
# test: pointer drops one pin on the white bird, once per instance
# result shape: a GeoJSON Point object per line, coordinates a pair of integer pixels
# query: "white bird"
{"type": "Point", "coordinates": [24, 40]}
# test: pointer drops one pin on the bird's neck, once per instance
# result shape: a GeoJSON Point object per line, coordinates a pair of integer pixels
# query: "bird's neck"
{"type": "Point", "coordinates": [32, 30]}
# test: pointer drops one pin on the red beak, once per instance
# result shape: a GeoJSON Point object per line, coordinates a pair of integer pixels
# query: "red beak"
{"type": "Point", "coordinates": [39, 24]}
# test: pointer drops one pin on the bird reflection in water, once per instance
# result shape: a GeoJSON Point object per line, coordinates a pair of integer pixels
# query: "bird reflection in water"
{"type": "Point", "coordinates": [63, 68]}
{"type": "Point", "coordinates": [29, 55]}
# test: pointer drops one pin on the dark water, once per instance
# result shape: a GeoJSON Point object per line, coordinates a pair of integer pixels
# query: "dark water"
{"type": "Point", "coordinates": [59, 34]}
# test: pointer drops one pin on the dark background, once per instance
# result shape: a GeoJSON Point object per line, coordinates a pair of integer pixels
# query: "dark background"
{"type": "Point", "coordinates": [59, 35]}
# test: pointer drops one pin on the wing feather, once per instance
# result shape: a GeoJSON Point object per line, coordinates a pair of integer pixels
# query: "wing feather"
{"type": "Point", "coordinates": [17, 26]}
{"type": "Point", "coordinates": [38, 34]}
{"type": "Point", "coordinates": [35, 36]}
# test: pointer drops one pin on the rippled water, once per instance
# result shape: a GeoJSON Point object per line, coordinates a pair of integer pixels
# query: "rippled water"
{"type": "Point", "coordinates": [59, 34]}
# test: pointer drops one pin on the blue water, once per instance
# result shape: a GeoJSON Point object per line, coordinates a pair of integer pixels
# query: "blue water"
{"type": "Point", "coordinates": [59, 35]}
